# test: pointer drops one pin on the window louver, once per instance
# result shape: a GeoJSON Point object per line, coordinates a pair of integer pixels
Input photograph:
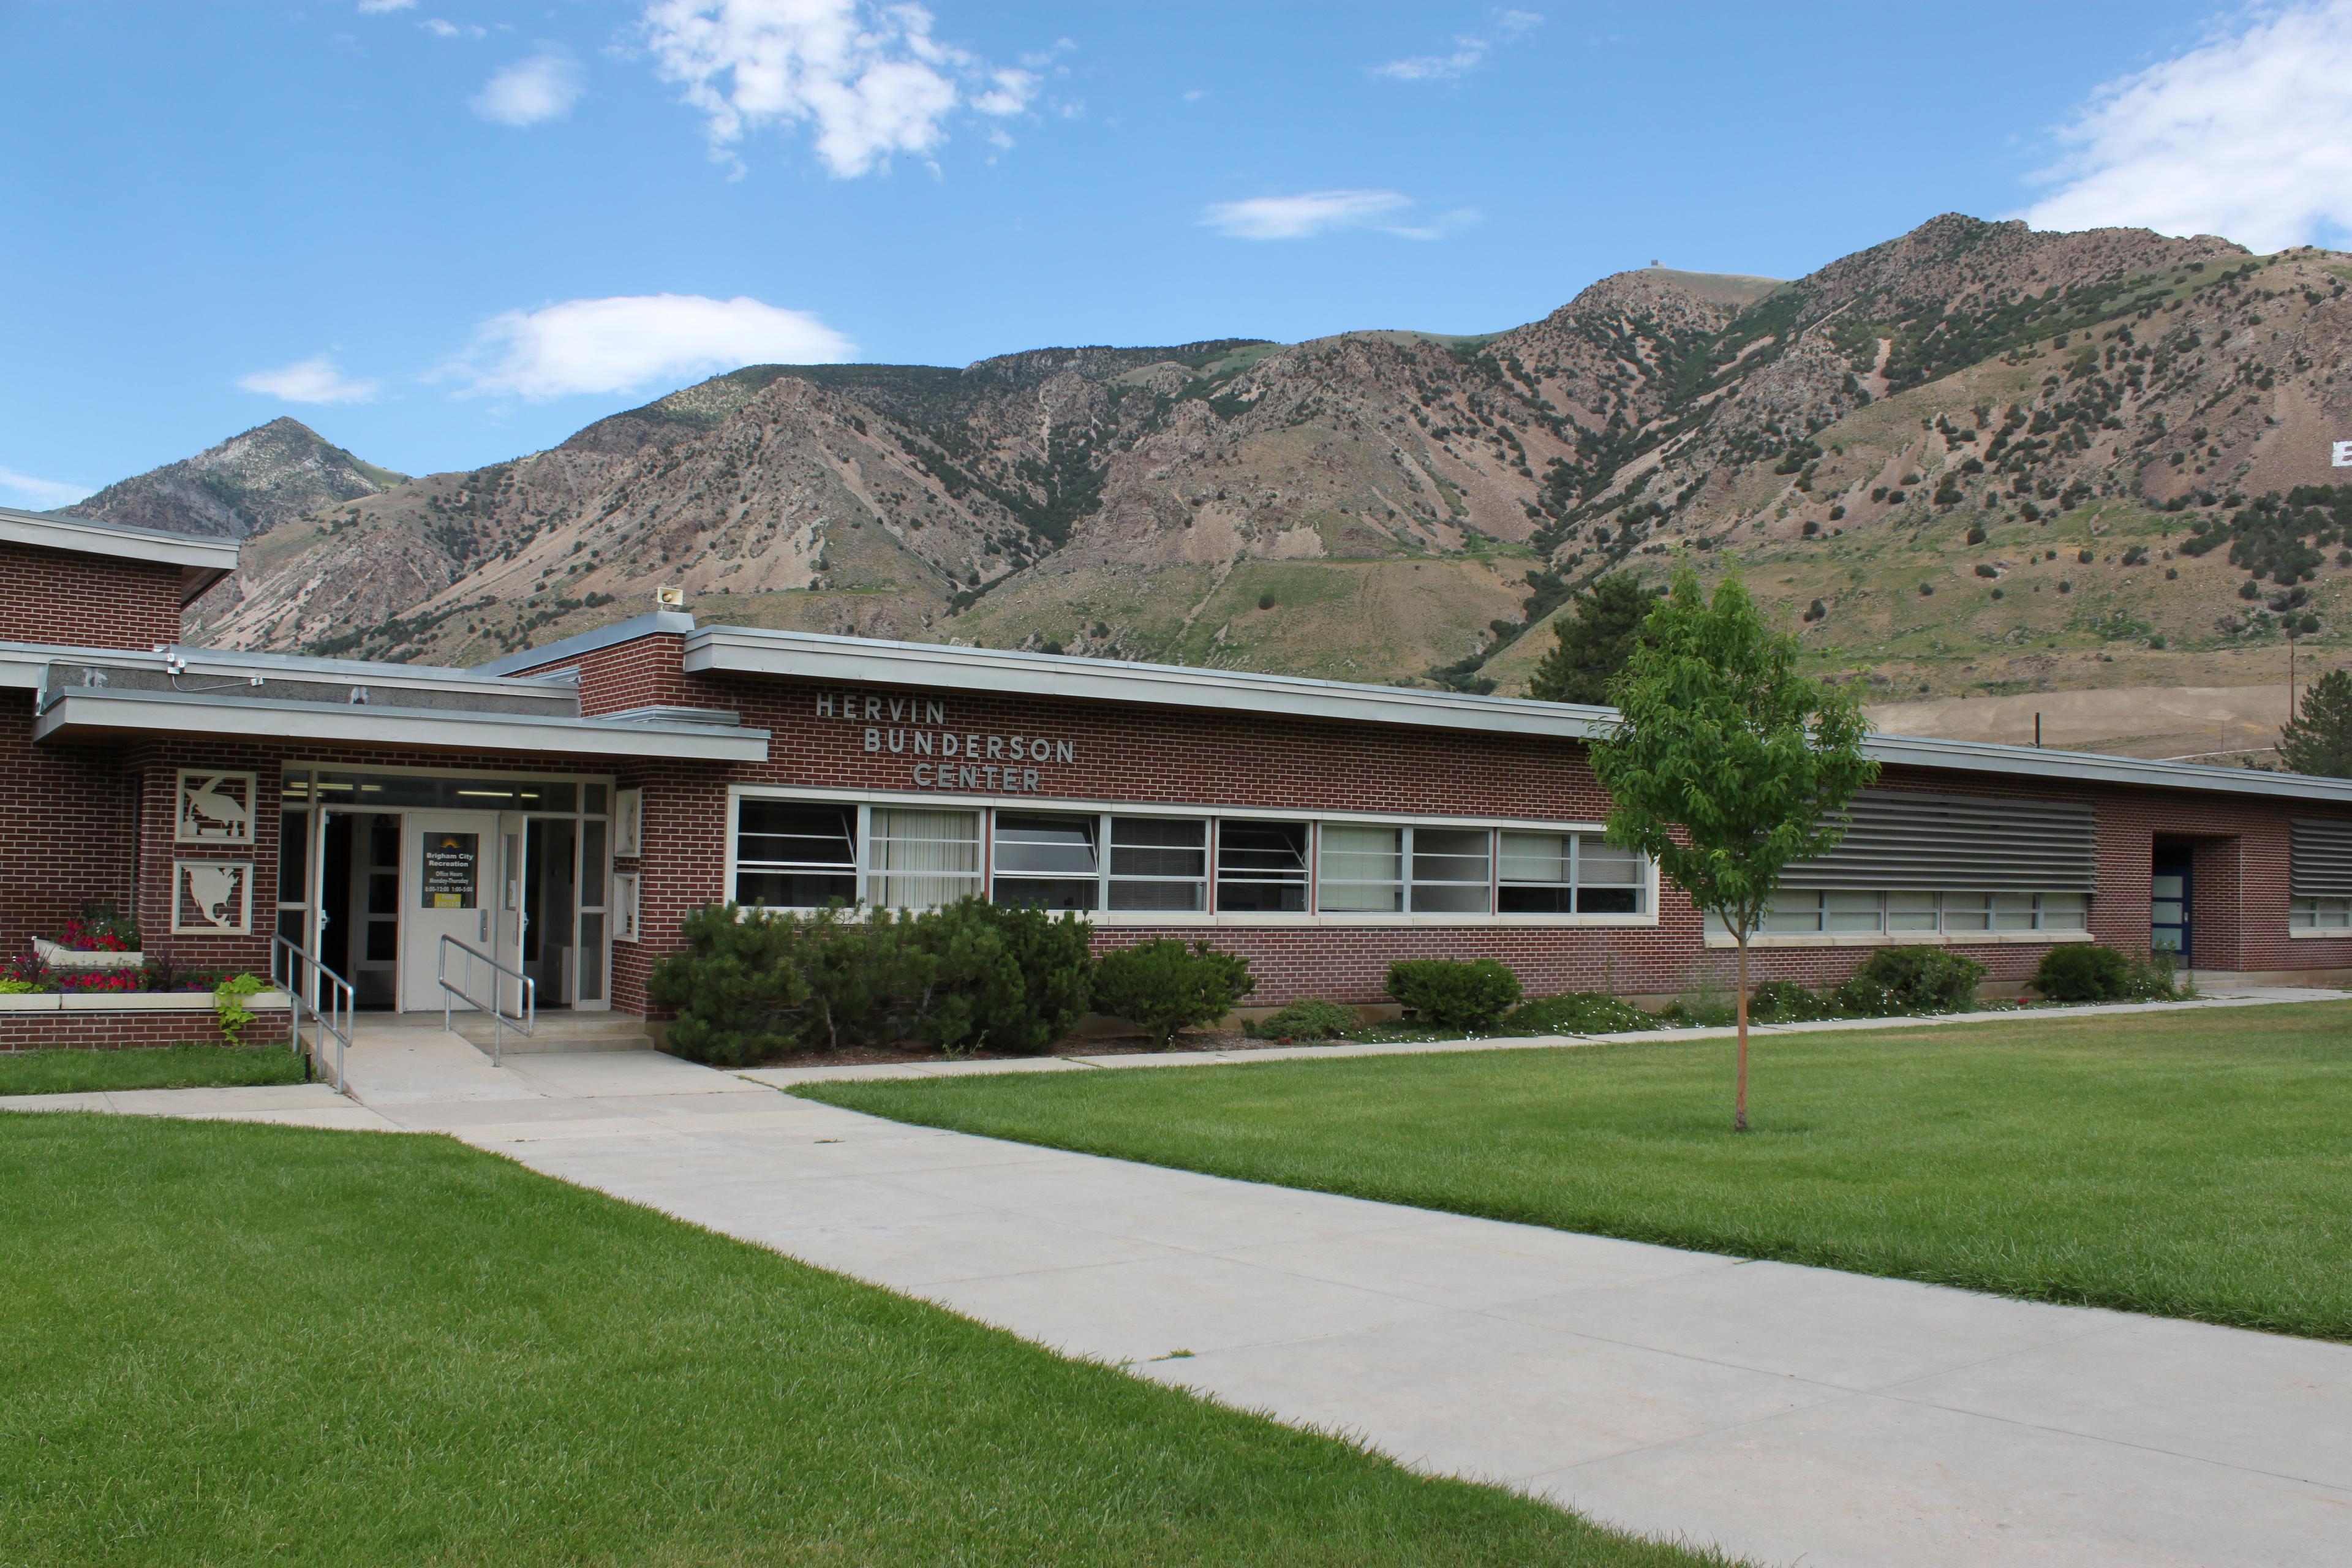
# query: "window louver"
{"type": "Point", "coordinates": [2319, 859]}
{"type": "Point", "coordinates": [1900, 840]}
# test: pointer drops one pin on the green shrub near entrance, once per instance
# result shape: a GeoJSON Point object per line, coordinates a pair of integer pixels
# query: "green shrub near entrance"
{"type": "Point", "coordinates": [2087, 972]}
{"type": "Point", "coordinates": [754, 985]}
{"type": "Point", "coordinates": [1454, 994]}
{"type": "Point", "coordinates": [1164, 987]}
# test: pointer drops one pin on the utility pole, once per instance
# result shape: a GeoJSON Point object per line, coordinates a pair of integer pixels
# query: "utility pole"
{"type": "Point", "coordinates": [2037, 731]}
{"type": "Point", "coordinates": [2290, 676]}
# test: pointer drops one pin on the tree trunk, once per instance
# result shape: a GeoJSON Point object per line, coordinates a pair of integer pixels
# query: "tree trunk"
{"type": "Point", "coordinates": [1740, 1098]}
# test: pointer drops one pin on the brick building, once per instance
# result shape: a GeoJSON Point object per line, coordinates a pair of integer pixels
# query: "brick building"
{"type": "Point", "coordinates": [561, 810]}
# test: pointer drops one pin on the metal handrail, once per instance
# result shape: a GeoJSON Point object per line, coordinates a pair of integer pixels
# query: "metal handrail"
{"type": "Point", "coordinates": [304, 988]}
{"type": "Point", "coordinates": [526, 1018]}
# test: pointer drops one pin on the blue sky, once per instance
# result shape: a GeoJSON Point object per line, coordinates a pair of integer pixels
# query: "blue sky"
{"type": "Point", "coordinates": [442, 231]}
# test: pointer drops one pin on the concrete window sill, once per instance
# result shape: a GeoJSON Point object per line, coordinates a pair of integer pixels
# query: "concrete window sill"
{"type": "Point", "coordinates": [1905, 939]}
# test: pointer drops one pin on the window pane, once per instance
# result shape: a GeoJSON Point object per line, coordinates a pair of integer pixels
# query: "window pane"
{"type": "Point", "coordinates": [592, 865]}
{"type": "Point", "coordinates": [1262, 865]}
{"type": "Point", "coordinates": [1363, 868]}
{"type": "Point", "coordinates": [1536, 872]}
{"type": "Point", "coordinates": [1608, 880]}
{"type": "Point", "coordinates": [1159, 863]}
{"type": "Point", "coordinates": [795, 854]}
{"type": "Point", "coordinates": [1449, 870]}
{"type": "Point", "coordinates": [2064, 911]}
{"type": "Point", "coordinates": [1793, 915]}
{"type": "Point", "coordinates": [1968, 912]}
{"type": "Point", "coordinates": [592, 958]}
{"type": "Point", "coordinates": [1853, 911]}
{"type": "Point", "coordinates": [1910, 911]}
{"type": "Point", "coordinates": [1047, 861]}
{"type": "Point", "coordinates": [922, 858]}
{"type": "Point", "coordinates": [293, 857]}
{"type": "Point", "coordinates": [591, 800]}
{"type": "Point", "coordinates": [2012, 911]}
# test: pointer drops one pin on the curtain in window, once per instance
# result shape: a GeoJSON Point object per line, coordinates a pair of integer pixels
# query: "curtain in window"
{"type": "Point", "coordinates": [922, 858]}
{"type": "Point", "coordinates": [1363, 868]}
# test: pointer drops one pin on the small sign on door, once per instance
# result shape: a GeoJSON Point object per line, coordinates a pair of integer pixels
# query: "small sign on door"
{"type": "Point", "coordinates": [451, 863]}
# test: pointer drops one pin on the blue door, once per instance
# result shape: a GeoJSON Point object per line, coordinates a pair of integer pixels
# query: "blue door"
{"type": "Point", "coordinates": [2169, 919]}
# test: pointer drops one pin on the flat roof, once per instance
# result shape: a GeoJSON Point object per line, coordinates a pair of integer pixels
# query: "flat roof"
{"type": "Point", "coordinates": [202, 561]}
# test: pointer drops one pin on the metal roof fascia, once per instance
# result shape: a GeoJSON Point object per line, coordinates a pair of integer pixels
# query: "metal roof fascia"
{"type": "Point", "coordinates": [2098, 767]}
{"type": "Point", "coordinates": [655, 624]}
{"type": "Point", "coordinates": [96, 709]}
{"type": "Point", "coordinates": [750, 651]}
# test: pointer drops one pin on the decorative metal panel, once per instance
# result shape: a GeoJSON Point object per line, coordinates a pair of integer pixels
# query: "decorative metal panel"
{"type": "Point", "coordinates": [2319, 861]}
{"type": "Point", "coordinates": [215, 807]}
{"type": "Point", "coordinates": [212, 898]}
{"type": "Point", "coordinates": [1900, 840]}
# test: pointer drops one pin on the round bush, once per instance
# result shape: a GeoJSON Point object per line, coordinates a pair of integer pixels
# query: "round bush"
{"type": "Point", "coordinates": [1308, 1019]}
{"type": "Point", "coordinates": [2089, 973]}
{"type": "Point", "coordinates": [1452, 993]}
{"type": "Point", "coordinates": [1899, 980]}
{"type": "Point", "coordinates": [1164, 986]}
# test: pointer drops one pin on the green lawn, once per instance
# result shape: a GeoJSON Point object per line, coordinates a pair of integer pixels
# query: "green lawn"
{"type": "Point", "coordinates": [2192, 1164]}
{"type": "Point", "coordinates": [228, 1343]}
{"type": "Point", "coordinates": [157, 1066]}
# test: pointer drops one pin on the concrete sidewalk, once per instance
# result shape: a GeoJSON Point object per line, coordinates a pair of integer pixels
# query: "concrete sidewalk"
{"type": "Point", "coordinates": [1790, 1415]}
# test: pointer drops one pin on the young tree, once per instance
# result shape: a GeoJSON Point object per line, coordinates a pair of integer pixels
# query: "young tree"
{"type": "Point", "coordinates": [1726, 764]}
{"type": "Point", "coordinates": [2318, 740]}
{"type": "Point", "coordinates": [1596, 638]}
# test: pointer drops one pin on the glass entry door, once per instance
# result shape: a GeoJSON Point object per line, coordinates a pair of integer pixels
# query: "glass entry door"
{"type": "Point", "coordinates": [444, 891]}
{"type": "Point", "coordinates": [2171, 923]}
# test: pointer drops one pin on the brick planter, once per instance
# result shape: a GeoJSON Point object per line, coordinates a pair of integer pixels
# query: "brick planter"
{"type": "Point", "coordinates": [97, 1021]}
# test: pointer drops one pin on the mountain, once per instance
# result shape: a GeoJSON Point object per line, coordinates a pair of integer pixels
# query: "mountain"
{"type": "Point", "coordinates": [270, 474]}
{"type": "Point", "coordinates": [1976, 457]}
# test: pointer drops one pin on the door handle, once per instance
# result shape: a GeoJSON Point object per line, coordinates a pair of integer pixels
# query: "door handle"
{"type": "Point", "coordinates": [486, 925]}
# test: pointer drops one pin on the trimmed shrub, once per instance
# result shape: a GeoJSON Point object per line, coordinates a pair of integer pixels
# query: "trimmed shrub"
{"type": "Point", "coordinates": [754, 985]}
{"type": "Point", "coordinates": [1453, 994]}
{"type": "Point", "coordinates": [1786, 1002]}
{"type": "Point", "coordinates": [1577, 1013]}
{"type": "Point", "coordinates": [1308, 1019]}
{"type": "Point", "coordinates": [1163, 988]}
{"type": "Point", "coordinates": [1899, 980]}
{"type": "Point", "coordinates": [2087, 972]}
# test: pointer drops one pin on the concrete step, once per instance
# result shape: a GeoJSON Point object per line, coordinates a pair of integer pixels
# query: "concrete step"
{"type": "Point", "coordinates": [566, 1032]}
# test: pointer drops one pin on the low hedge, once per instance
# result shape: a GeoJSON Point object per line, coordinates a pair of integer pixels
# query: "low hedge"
{"type": "Point", "coordinates": [1454, 994]}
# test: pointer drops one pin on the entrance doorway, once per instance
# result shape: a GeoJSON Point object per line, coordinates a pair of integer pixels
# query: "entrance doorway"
{"type": "Point", "coordinates": [443, 883]}
{"type": "Point", "coordinates": [2171, 923]}
{"type": "Point", "coordinates": [359, 904]}
{"type": "Point", "coordinates": [551, 907]}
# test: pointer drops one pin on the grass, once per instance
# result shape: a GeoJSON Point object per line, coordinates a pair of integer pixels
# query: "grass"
{"type": "Point", "coordinates": [230, 1343]}
{"type": "Point", "coordinates": [147, 1067]}
{"type": "Point", "coordinates": [2190, 1164]}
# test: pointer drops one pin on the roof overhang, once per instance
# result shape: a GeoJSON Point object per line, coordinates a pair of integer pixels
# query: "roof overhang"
{"type": "Point", "coordinates": [202, 561]}
{"type": "Point", "coordinates": [97, 713]}
{"type": "Point", "coordinates": [2095, 767]}
{"type": "Point", "coordinates": [810, 656]}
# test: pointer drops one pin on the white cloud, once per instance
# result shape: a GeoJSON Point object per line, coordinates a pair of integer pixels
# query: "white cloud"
{"type": "Point", "coordinates": [869, 81]}
{"type": "Point", "coordinates": [1469, 52]}
{"type": "Point", "coordinates": [41, 493]}
{"type": "Point", "coordinates": [379, 7]}
{"type": "Point", "coordinates": [622, 344]}
{"type": "Point", "coordinates": [442, 28]}
{"type": "Point", "coordinates": [2249, 136]}
{"type": "Point", "coordinates": [313, 379]}
{"type": "Point", "coordinates": [1322, 212]}
{"type": "Point", "coordinates": [531, 91]}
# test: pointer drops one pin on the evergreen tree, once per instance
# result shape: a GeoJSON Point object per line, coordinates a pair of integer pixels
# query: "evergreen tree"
{"type": "Point", "coordinates": [1726, 764]}
{"type": "Point", "coordinates": [2318, 740]}
{"type": "Point", "coordinates": [1597, 636]}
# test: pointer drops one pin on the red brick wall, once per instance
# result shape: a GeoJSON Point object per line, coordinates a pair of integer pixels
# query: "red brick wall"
{"type": "Point", "coordinates": [90, 601]}
{"type": "Point", "coordinates": [116, 1031]}
{"type": "Point", "coordinates": [65, 830]}
{"type": "Point", "coordinates": [645, 672]}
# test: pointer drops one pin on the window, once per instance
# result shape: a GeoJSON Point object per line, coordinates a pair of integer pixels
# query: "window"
{"type": "Point", "coordinates": [1850, 913]}
{"type": "Point", "coordinates": [1159, 863]}
{"type": "Point", "coordinates": [1449, 871]}
{"type": "Point", "coordinates": [1793, 915]}
{"type": "Point", "coordinates": [1045, 861]}
{"type": "Point", "coordinates": [2064, 911]}
{"type": "Point", "coordinates": [2321, 914]}
{"type": "Point", "coordinates": [1965, 913]}
{"type": "Point", "coordinates": [1608, 880]}
{"type": "Point", "coordinates": [1262, 867]}
{"type": "Point", "coordinates": [920, 858]}
{"type": "Point", "coordinates": [1362, 870]}
{"type": "Point", "coordinates": [1910, 911]}
{"type": "Point", "coordinates": [2012, 911]}
{"type": "Point", "coordinates": [1547, 873]}
{"type": "Point", "coordinates": [795, 854]}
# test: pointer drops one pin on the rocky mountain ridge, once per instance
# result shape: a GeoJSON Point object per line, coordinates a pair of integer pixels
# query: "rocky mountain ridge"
{"type": "Point", "coordinates": [1874, 446]}
{"type": "Point", "coordinates": [265, 476]}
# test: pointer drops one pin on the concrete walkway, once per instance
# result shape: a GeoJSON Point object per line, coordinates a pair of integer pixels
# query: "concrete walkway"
{"type": "Point", "coordinates": [1790, 1415]}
